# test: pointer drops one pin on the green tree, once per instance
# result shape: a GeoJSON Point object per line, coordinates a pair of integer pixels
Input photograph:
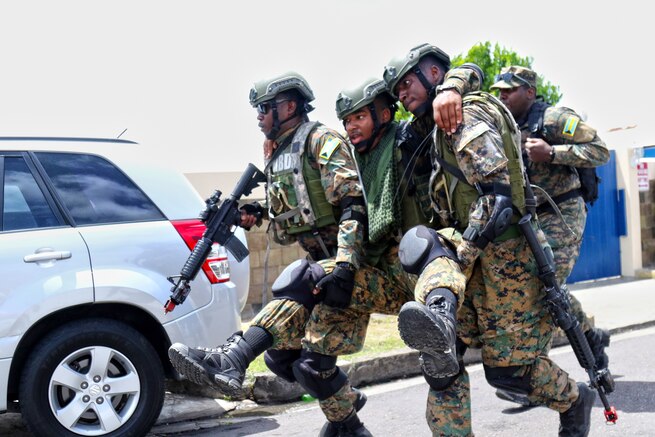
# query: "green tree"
{"type": "Point", "coordinates": [491, 60]}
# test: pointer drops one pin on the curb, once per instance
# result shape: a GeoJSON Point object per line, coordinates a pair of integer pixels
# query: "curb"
{"type": "Point", "coordinates": [266, 388]}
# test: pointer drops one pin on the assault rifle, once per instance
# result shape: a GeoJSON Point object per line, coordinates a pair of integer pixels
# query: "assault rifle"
{"type": "Point", "coordinates": [560, 310]}
{"type": "Point", "coordinates": [220, 217]}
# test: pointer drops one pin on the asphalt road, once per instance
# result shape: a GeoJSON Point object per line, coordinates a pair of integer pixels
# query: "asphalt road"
{"type": "Point", "coordinates": [397, 409]}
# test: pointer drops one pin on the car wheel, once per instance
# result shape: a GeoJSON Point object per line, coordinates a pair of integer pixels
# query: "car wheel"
{"type": "Point", "coordinates": [94, 377]}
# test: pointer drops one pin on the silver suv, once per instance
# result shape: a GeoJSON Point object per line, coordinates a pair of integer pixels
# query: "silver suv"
{"type": "Point", "coordinates": [86, 245]}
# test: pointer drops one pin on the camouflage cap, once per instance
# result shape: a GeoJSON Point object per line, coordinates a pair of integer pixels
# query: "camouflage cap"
{"type": "Point", "coordinates": [515, 76]}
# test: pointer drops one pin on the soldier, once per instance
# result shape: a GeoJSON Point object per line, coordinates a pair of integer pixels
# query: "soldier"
{"type": "Point", "coordinates": [315, 198]}
{"type": "Point", "coordinates": [381, 285]}
{"type": "Point", "coordinates": [557, 147]}
{"type": "Point", "coordinates": [503, 311]}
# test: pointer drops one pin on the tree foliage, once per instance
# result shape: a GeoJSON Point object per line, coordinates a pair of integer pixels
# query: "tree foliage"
{"type": "Point", "coordinates": [492, 59]}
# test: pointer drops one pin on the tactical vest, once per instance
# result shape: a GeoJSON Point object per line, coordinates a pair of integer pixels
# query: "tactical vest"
{"type": "Point", "coordinates": [588, 177]}
{"type": "Point", "coordinates": [413, 177]}
{"type": "Point", "coordinates": [297, 201]}
{"type": "Point", "coordinates": [461, 192]}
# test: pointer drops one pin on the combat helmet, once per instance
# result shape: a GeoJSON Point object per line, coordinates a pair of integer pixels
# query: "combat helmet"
{"type": "Point", "coordinates": [364, 95]}
{"type": "Point", "coordinates": [267, 89]}
{"type": "Point", "coordinates": [400, 66]}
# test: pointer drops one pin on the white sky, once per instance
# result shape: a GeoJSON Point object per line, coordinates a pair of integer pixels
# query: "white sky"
{"type": "Point", "coordinates": [176, 74]}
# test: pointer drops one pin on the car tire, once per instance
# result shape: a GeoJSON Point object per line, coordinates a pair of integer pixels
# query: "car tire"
{"type": "Point", "coordinates": [95, 377]}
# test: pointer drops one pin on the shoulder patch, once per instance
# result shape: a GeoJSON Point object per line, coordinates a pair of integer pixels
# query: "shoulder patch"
{"type": "Point", "coordinates": [469, 133]}
{"type": "Point", "coordinates": [570, 125]}
{"type": "Point", "coordinates": [328, 149]}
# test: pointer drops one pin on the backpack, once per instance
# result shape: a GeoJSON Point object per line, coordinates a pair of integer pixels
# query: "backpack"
{"type": "Point", "coordinates": [589, 179]}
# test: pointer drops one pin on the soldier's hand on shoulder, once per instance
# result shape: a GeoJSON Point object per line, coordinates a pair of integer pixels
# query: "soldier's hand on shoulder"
{"type": "Point", "coordinates": [538, 150]}
{"type": "Point", "coordinates": [447, 109]}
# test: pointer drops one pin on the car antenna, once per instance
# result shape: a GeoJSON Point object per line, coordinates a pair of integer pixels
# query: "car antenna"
{"type": "Point", "coordinates": [121, 134]}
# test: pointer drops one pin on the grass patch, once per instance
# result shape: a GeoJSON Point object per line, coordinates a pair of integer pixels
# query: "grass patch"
{"type": "Point", "coordinates": [382, 336]}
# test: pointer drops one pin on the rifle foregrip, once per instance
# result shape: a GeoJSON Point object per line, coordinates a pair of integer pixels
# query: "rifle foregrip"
{"type": "Point", "coordinates": [198, 256]}
{"type": "Point", "coordinates": [581, 347]}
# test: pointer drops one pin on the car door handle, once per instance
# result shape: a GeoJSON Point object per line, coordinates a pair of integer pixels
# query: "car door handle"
{"type": "Point", "coordinates": [47, 255]}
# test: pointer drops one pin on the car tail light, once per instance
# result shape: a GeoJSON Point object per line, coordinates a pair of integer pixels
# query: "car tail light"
{"type": "Point", "coordinates": [216, 267]}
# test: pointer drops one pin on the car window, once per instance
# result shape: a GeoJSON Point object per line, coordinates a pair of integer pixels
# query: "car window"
{"type": "Point", "coordinates": [95, 191]}
{"type": "Point", "coordinates": [24, 206]}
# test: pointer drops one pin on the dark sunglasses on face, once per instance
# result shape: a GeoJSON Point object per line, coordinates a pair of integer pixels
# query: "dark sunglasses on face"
{"type": "Point", "coordinates": [507, 77]}
{"type": "Point", "coordinates": [264, 107]}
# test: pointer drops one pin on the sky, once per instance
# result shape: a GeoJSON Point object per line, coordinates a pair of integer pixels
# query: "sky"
{"type": "Point", "coordinates": [176, 74]}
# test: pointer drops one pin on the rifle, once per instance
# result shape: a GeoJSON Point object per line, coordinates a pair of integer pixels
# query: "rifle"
{"type": "Point", "coordinates": [559, 307]}
{"type": "Point", "coordinates": [220, 218]}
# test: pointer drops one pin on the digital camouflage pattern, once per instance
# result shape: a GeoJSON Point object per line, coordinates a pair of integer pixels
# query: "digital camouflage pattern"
{"type": "Point", "coordinates": [328, 152]}
{"type": "Point", "coordinates": [338, 406]}
{"type": "Point", "coordinates": [448, 411]}
{"type": "Point", "coordinates": [442, 273]}
{"type": "Point", "coordinates": [503, 311]}
{"type": "Point", "coordinates": [285, 320]}
{"type": "Point", "coordinates": [333, 331]}
{"type": "Point", "coordinates": [464, 80]}
{"type": "Point", "coordinates": [576, 144]}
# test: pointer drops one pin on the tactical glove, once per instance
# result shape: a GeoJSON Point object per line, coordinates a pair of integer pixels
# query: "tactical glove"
{"type": "Point", "coordinates": [254, 209]}
{"type": "Point", "coordinates": [337, 287]}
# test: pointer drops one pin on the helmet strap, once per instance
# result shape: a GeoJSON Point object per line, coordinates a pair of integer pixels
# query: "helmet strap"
{"type": "Point", "coordinates": [378, 127]}
{"type": "Point", "coordinates": [277, 123]}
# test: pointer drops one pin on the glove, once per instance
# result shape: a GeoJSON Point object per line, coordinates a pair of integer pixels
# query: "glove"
{"type": "Point", "coordinates": [337, 287]}
{"type": "Point", "coordinates": [253, 209]}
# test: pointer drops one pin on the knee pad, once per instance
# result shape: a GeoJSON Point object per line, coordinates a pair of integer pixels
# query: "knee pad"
{"type": "Point", "coordinates": [318, 374]}
{"type": "Point", "coordinates": [281, 362]}
{"type": "Point", "coordinates": [420, 246]}
{"type": "Point", "coordinates": [503, 378]}
{"type": "Point", "coordinates": [297, 281]}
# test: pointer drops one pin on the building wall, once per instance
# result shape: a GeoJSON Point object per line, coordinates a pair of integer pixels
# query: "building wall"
{"type": "Point", "coordinates": [647, 213]}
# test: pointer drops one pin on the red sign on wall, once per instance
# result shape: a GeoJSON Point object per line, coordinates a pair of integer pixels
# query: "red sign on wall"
{"type": "Point", "coordinates": [642, 176]}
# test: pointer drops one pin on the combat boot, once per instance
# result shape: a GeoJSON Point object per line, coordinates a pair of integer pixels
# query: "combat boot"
{"type": "Point", "coordinates": [332, 429]}
{"type": "Point", "coordinates": [224, 367]}
{"type": "Point", "coordinates": [351, 426]}
{"type": "Point", "coordinates": [431, 329]}
{"type": "Point", "coordinates": [576, 421]}
{"type": "Point", "coordinates": [517, 398]}
{"type": "Point", "coordinates": [598, 340]}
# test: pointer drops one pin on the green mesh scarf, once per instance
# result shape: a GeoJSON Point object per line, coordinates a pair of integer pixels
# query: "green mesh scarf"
{"type": "Point", "coordinates": [379, 175]}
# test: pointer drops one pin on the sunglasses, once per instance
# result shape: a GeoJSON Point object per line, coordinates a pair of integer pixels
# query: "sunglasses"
{"type": "Point", "coordinates": [263, 108]}
{"type": "Point", "coordinates": [507, 77]}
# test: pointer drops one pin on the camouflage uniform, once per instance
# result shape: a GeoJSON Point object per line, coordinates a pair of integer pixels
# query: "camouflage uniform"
{"type": "Point", "coordinates": [285, 319]}
{"type": "Point", "coordinates": [381, 283]}
{"type": "Point", "coordinates": [575, 144]}
{"type": "Point", "coordinates": [503, 310]}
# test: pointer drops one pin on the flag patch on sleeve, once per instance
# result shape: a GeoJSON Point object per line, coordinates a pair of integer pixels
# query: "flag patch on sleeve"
{"type": "Point", "coordinates": [328, 149]}
{"type": "Point", "coordinates": [570, 126]}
